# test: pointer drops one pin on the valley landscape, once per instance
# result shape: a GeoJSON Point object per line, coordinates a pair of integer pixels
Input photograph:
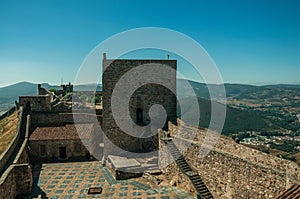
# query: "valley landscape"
{"type": "Point", "coordinates": [265, 118]}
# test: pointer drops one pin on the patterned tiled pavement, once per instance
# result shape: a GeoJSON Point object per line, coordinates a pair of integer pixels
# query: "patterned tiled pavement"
{"type": "Point", "coordinates": [72, 180]}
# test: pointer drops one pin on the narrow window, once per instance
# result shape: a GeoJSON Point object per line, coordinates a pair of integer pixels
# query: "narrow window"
{"type": "Point", "coordinates": [139, 116]}
{"type": "Point", "coordinates": [43, 150]}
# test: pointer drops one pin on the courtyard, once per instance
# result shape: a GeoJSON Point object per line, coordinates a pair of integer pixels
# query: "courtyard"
{"type": "Point", "coordinates": [73, 180]}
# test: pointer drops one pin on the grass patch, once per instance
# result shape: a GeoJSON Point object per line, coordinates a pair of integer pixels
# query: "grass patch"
{"type": "Point", "coordinates": [8, 128]}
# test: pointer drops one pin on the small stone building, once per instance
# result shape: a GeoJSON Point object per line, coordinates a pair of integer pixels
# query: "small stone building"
{"type": "Point", "coordinates": [36, 102]}
{"type": "Point", "coordinates": [60, 143]}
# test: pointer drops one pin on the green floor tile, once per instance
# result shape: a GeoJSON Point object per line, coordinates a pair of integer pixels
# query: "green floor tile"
{"type": "Point", "coordinates": [123, 194]}
{"type": "Point", "coordinates": [151, 192]}
{"type": "Point", "coordinates": [110, 179]}
{"type": "Point", "coordinates": [62, 186]}
{"type": "Point", "coordinates": [59, 191]}
{"type": "Point", "coordinates": [75, 186]}
{"type": "Point", "coordinates": [123, 188]}
{"type": "Point", "coordinates": [139, 185]}
{"type": "Point", "coordinates": [111, 189]}
{"type": "Point", "coordinates": [136, 193]}
{"type": "Point", "coordinates": [54, 182]}
{"type": "Point", "coordinates": [108, 195]}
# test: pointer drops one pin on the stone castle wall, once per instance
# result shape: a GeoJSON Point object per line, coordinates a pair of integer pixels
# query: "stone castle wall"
{"type": "Point", "coordinates": [142, 98]}
{"type": "Point", "coordinates": [11, 147]}
{"type": "Point", "coordinates": [230, 174]}
{"type": "Point", "coordinates": [17, 177]}
{"type": "Point", "coordinates": [22, 156]}
{"type": "Point", "coordinates": [8, 185]}
{"type": "Point", "coordinates": [16, 180]}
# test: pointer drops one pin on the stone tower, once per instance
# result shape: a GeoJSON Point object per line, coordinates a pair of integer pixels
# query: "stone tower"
{"type": "Point", "coordinates": [140, 103]}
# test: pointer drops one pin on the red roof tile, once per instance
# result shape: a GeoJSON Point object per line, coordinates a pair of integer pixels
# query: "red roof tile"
{"type": "Point", "coordinates": [67, 132]}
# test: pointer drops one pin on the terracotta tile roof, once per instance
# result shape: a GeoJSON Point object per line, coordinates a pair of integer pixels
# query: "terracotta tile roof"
{"type": "Point", "coordinates": [67, 132]}
{"type": "Point", "coordinates": [292, 193]}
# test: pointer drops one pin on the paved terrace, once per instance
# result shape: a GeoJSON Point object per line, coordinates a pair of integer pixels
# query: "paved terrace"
{"type": "Point", "coordinates": [73, 180]}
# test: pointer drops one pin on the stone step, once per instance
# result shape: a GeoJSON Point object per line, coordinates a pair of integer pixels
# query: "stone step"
{"type": "Point", "coordinates": [185, 167]}
{"type": "Point", "coordinates": [202, 188]}
{"type": "Point", "coordinates": [198, 183]}
{"type": "Point", "coordinates": [207, 195]}
{"type": "Point", "coordinates": [182, 162]}
{"type": "Point", "coordinates": [185, 170]}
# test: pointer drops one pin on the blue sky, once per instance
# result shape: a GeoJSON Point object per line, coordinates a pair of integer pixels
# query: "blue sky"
{"type": "Point", "coordinates": [252, 42]}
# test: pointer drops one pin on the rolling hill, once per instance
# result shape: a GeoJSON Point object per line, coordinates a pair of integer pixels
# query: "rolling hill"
{"type": "Point", "coordinates": [241, 116]}
{"type": "Point", "coordinates": [236, 120]}
{"type": "Point", "coordinates": [267, 108]}
{"type": "Point", "coordinates": [9, 94]}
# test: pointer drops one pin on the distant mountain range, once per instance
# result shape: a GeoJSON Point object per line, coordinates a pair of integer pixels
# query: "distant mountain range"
{"type": "Point", "coordinates": [237, 119]}
{"type": "Point", "coordinates": [243, 91]}
{"type": "Point", "coordinates": [9, 94]}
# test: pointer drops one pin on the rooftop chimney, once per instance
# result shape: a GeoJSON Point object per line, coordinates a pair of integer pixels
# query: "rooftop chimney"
{"type": "Point", "coordinates": [104, 56]}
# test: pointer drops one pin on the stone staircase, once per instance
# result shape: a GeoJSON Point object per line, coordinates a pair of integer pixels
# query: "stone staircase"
{"type": "Point", "coordinates": [292, 193]}
{"type": "Point", "coordinates": [202, 190]}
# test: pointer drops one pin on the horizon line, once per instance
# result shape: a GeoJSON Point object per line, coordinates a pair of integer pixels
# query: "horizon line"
{"type": "Point", "coordinates": [86, 84]}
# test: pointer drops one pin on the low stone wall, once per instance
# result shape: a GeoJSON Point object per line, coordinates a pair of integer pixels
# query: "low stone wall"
{"type": "Point", "coordinates": [8, 184]}
{"type": "Point", "coordinates": [11, 147]}
{"type": "Point", "coordinates": [16, 180]}
{"type": "Point", "coordinates": [231, 170]}
{"type": "Point", "coordinates": [8, 113]}
{"type": "Point", "coordinates": [227, 176]}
